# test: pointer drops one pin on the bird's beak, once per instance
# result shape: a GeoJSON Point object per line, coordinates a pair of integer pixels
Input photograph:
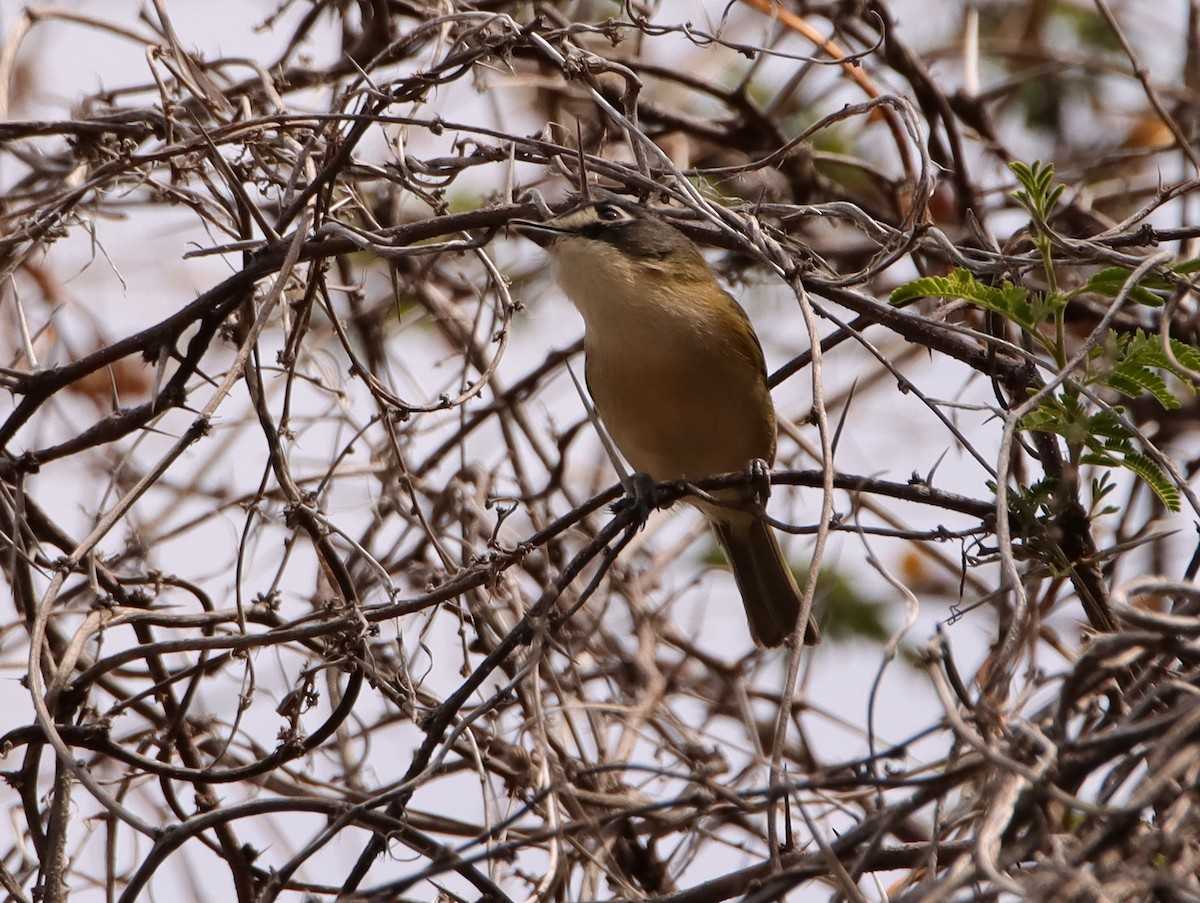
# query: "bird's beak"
{"type": "Point", "coordinates": [543, 234]}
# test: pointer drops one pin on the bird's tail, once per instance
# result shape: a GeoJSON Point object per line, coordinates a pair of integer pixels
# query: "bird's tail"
{"type": "Point", "coordinates": [765, 580]}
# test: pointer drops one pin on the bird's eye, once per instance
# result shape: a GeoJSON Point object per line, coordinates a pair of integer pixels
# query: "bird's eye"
{"type": "Point", "coordinates": [610, 213]}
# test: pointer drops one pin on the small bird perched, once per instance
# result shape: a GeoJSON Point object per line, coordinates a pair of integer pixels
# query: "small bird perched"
{"type": "Point", "coordinates": [678, 378]}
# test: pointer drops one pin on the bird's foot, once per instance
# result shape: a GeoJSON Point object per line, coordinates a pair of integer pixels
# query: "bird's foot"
{"type": "Point", "coordinates": [643, 497]}
{"type": "Point", "coordinates": [758, 476]}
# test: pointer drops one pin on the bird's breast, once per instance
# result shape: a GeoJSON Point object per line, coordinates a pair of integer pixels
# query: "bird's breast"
{"type": "Point", "coordinates": [681, 405]}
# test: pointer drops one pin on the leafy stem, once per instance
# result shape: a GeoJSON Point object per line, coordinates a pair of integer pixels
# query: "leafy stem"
{"type": "Point", "coordinates": [1130, 364]}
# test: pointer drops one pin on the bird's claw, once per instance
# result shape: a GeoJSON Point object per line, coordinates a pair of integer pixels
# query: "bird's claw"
{"type": "Point", "coordinates": [758, 475]}
{"type": "Point", "coordinates": [643, 497]}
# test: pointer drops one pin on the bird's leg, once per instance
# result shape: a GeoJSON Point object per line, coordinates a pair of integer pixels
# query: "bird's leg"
{"type": "Point", "coordinates": [758, 477]}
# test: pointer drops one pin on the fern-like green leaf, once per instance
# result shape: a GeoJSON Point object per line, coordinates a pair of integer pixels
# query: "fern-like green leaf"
{"type": "Point", "coordinates": [1148, 350]}
{"type": "Point", "coordinates": [1188, 355]}
{"type": "Point", "coordinates": [1154, 477]}
{"type": "Point", "coordinates": [1010, 301]}
{"type": "Point", "coordinates": [1063, 415]}
{"type": "Point", "coordinates": [959, 284]}
{"type": "Point", "coordinates": [1100, 459]}
{"type": "Point", "coordinates": [1106, 425]}
{"type": "Point", "coordinates": [1134, 380]}
{"type": "Point", "coordinates": [1110, 281]}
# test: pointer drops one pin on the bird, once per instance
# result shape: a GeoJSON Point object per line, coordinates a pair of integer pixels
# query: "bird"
{"type": "Point", "coordinates": [678, 378]}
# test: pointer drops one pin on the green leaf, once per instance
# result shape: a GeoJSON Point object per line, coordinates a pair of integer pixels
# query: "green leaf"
{"type": "Point", "coordinates": [1139, 356]}
{"type": "Point", "coordinates": [1188, 355]}
{"type": "Point", "coordinates": [959, 284]}
{"type": "Point", "coordinates": [1100, 459]}
{"type": "Point", "coordinates": [1025, 503]}
{"type": "Point", "coordinates": [1101, 487]}
{"type": "Point", "coordinates": [1063, 415]}
{"type": "Point", "coordinates": [1105, 423]}
{"type": "Point", "coordinates": [1010, 301]}
{"type": "Point", "coordinates": [1100, 439]}
{"type": "Point", "coordinates": [1038, 195]}
{"type": "Point", "coordinates": [1134, 380]}
{"type": "Point", "coordinates": [1155, 478]}
{"type": "Point", "coordinates": [1110, 281]}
